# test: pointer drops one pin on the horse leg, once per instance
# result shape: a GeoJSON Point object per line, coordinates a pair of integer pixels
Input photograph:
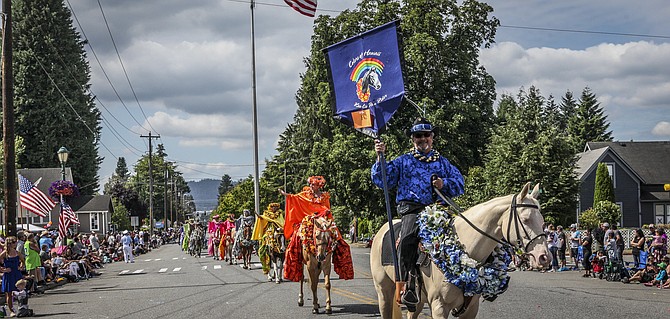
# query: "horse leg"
{"type": "Point", "coordinates": [326, 281]}
{"type": "Point", "coordinates": [279, 268]}
{"type": "Point", "coordinates": [301, 300]}
{"type": "Point", "coordinates": [314, 273]}
{"type": "Point", "coordinates": [472, 309]}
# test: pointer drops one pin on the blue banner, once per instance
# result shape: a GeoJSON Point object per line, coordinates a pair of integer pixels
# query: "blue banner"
{"type": "Point", "coordinates": [366, 79]}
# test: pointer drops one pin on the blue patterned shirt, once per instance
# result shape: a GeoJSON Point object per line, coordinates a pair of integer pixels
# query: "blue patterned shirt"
{"type": "Point", "coordinates": [412, 178]}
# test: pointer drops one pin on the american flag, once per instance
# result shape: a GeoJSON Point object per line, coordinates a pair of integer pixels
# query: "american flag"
{"type": "Point", "coordinates": [33, 199]}
{"type": "Point", "coordinates": [305, 7]}
{"type": "Point", "coordinates": [67, 217]}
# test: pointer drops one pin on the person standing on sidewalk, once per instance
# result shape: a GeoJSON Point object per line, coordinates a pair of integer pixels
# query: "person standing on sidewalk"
{"type": "Point", "coordinates": [127, 243]}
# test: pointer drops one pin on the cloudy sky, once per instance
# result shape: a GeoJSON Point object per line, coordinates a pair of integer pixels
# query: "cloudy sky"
{"type": "Point", "coordinates": [189, 63]}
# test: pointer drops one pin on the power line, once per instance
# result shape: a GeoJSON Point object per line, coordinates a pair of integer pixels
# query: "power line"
{"type": "Point", "coordinates": [132, 89]}
{"type": "Point", "coordinates": [587, 31]}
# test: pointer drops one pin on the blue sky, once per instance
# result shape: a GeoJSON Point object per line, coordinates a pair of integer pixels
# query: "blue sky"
{"type": "Point", "coordinates": [189, 64]}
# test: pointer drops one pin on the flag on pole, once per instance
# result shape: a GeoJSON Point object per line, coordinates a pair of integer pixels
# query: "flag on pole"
{"type": "Point", "coordinates": [33, 199]}
{"type": "Point", "coordinates": [305, 7]}
{"type": "Point", "coordinates": [66, 218]}
{"type": "Point", "coordinates": [366, 79]}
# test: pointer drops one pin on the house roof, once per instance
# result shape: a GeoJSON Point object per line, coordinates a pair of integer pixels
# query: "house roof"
{"type": "Point", "coordinates": [586, 160]}
{"type": "Point", "coordinates": [90, 203]}
{"type": "Point", "coordinates": [48, 175]}
{"type": "Point", "coordinates": [650, 160]}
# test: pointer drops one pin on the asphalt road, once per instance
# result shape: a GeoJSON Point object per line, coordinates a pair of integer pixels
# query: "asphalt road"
{"type": "Point", "coordinates": [167, 283]}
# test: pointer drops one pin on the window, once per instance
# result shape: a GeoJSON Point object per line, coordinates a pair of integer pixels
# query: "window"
{"type": "Point", "coordinates": [95, 221]}
{"type": "Point", "coordinates": [660, 214]}
{"type": "Point", "coordinates": [611, 171]}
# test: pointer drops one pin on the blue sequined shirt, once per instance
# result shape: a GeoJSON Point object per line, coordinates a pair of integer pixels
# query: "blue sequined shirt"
{"type": "Point", "coordinates": [412, 178]}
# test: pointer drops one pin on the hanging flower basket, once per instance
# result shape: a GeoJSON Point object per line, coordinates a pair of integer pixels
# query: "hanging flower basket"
{"type": "Point", "coordinates": [66, 188]}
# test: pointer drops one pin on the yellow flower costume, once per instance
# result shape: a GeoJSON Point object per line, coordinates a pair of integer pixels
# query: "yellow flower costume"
{"type": "Point", "coordinates": [264, 231]}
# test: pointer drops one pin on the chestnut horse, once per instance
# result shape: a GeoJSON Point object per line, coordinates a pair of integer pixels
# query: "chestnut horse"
{"type": "Point", "coordinates": [318, 258]}
{"type": "Point", "coordinates": [226, 246]}
{"type": "Point", "coordinates": [246, 247]}
{"type": "Point", "coordinates": [493, 218]}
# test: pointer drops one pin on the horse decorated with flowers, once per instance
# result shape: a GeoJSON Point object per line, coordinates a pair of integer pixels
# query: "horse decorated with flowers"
{"type": "Point", "coordinates": [272, 248]}
{"type": "Point", "coordinates": [468, 255]}
{"type": "Point", "coordinates": [226, 246]}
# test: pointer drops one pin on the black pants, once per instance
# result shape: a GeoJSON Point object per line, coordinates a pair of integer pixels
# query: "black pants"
{"type": "Point", "coordinates": [409, 238]}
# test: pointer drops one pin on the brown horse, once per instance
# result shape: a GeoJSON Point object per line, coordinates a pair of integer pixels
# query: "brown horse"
{"type": "Point", "coordinates": [514, 218]}
{"type": "Point", "coordinates": [317, 253]}
{"type": "Point", "coordinates": [246, 247]}
{"type": "Point", "coordinates": [226, 246]}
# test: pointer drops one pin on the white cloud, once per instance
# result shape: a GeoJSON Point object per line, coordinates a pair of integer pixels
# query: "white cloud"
{"type": "Point", "coordinates": [662, 129]}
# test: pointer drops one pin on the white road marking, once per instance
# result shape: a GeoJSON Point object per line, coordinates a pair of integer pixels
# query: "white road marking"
{"type": "Point", "coordinates": [175, 258]}
{"type": "Point", "coordinates": [124, 272]}
{"type": "Point", "coordinates": [147, 260]}
{"type": "Point", "coordinates": [163, 270]}
{"type": "Point", "coordinates": [157, 259]}
{"type": "Point", "coordinates": [177, 269]}
{"type": "Point", "coordinates": [138, 271]}
{"type": "Point", "coordinates": [204, 267]}
{"type": "Point", "coordinates": [217, 266]}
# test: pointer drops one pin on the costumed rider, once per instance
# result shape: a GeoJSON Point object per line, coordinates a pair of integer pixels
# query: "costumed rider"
{"type": "Point", "coordinates": [311, 202]}
{"type": "Point", "coordinates": [246, 220]}
{"type": "Point", "coordinates": [272, 219]}
{"type": "Point", "coordinates": [411, 173]}
{"type": "Point", "coordinates": [227, 229]}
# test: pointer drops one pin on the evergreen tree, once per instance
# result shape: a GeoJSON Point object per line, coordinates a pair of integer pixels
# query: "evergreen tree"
{"type": "Point", "coordinates": [604, 190]}
{"type": "Point", "coordinates": [526, 148]}
{"type": "Point", "coordinates": [122, 169]}
{"type": "Point", "coordinates": [589, 123]}
{"type": "Point", "coordinates": [54, 106]}
{"type": "Point", "coordinates": [440, 47]}
{"type": "Point", "coordinates": [225, 185]}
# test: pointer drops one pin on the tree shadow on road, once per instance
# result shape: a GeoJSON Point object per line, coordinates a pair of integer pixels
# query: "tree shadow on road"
{"type": "Point", "coordinates": [365, 310]}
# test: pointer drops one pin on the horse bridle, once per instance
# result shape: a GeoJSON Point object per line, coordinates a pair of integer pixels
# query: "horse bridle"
{"type": "Point", "coordinates": [317, 226]}
{"type": "Point", "coordinates": [513, 216]}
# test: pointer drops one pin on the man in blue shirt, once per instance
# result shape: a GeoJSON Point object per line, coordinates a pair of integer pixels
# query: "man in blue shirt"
{"type": "Point", "coordinates": [411, 174]}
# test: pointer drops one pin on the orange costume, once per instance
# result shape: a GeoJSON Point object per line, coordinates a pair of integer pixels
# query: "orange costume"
{"type": "Point", "coordinates": [299, 206]}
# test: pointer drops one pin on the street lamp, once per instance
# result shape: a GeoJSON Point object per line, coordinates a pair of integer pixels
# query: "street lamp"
{"type": "Point", "coordinates": [63, 153]}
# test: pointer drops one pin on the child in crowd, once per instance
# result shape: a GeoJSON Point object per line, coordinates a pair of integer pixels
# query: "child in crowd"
{"type": "Point", "coordinates": [661, 275]}
{"type": "Point", "coordinates": [21, 299]}
{"type": "Point", "coordinates": [645, 275]}
{"type": "Point", "coordinates": [598, 263]}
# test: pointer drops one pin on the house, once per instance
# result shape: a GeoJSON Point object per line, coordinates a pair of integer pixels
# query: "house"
{"type": "Point", "coordinates": [638, 170]}
{"type": "Point", "coordinates": [93, 212]}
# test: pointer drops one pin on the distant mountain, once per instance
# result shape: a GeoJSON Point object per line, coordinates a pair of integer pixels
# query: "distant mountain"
{"type": "Point", "coordinates": [205, 193]}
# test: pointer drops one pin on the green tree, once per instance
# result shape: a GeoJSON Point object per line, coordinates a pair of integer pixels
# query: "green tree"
{"type": "Point", "coordinates": [54, 106]}
{"type": "Point", "coordinates": [525, 147]}
{"type": "Point", "coordinates": [604, 189]}
{"type": "Point", "coordinates": [18, 150]}
{"type": "Point", "coordinates": [441, 41]}
{"type": "Point", "coordinates": [589, 123]}
{"type": "Point", "coordinates": [607, 212]}
{"type": "Point", "coordinates": [225, 185]}
{"type": "Point", "coordinates": [121, 217]}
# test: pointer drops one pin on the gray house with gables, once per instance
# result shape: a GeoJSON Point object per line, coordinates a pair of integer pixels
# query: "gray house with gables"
{"type": "Point", "coordinates": [638, 170]}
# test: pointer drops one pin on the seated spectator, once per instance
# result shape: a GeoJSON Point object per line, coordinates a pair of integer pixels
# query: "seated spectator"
{"type": "Point", "coordinates": [644, 275]}
{"type": "Point", "coordinates": [20, 296]}
{"type": "Point", "coordinates": [598, 263]}
{"type": "Point", "coordinates": [661, 275]}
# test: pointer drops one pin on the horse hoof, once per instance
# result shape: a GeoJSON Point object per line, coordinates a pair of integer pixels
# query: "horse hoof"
{"type": "Point", "coordinates": [329, 311]}
{"type": "Point", "coordinates": [315, 311]}
{"type": "Point", "coordinates": [301, 303]}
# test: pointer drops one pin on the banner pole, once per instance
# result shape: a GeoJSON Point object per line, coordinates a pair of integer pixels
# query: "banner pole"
{"type": "Point", "coordinates": [389, 216]}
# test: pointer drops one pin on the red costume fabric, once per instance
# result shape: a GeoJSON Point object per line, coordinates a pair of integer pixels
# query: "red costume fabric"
{"type": "Point", "coordinates": [293, 266]}
{"type": "Point", "coordinates": [303, 204]}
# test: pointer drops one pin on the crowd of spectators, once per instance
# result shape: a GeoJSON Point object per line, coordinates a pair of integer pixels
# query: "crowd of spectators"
{"type": "Point", "coordinates": [30, 261]}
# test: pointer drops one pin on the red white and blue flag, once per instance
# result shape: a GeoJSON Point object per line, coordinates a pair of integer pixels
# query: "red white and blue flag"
{"type": "Point", "coordinates": [66, 219]}
{"type": "Point", "coordinates": [305, 7]}
{"type": "Point", "coordinates": [33, 199]}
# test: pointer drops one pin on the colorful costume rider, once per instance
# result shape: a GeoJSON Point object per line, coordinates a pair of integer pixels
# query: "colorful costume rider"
{"type": "Point", "coordinates": [226, 229]}
{"type": "Point", "coordinates": [264, 228]}
{"type": "Point", "coordinates": [311, 202]}
{"type": "Point", "coordinates": [246, 220]}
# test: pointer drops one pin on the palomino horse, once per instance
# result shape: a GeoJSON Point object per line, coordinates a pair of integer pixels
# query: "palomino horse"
{"type": "Point", "coordinates": [226, 246]}
{"type": "Point", "coordinates": [317, 253]}
{"type": "Point", "coordinates": [246, 247]}
{"type": "Point", "coordinates": [276, 249]}
{"type": "Point", "coordinates": [513, 219]}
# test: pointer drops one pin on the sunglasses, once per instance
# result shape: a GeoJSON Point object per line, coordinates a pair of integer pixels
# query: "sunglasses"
{"type": "Point", "coordinates": [424, 134]}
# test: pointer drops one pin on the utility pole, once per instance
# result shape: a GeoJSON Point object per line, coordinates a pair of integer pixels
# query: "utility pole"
{"type": "Point", "coordinates": [151, 183]}
{"type": "Point", "coordinates": [165, 197]}
{"type": "Point", "coordinates": [257, 201]}
{"type": "Point", "coordinates": [9, 172]}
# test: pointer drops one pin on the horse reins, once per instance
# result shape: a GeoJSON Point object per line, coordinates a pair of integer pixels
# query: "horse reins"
{"type": "Point", "coordinates": [513, 215]}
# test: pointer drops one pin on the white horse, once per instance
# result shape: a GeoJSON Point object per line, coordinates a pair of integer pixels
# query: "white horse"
{"type": "Point", "coordinates": [496, 218]}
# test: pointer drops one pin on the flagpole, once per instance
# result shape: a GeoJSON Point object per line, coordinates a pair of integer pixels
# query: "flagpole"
{"type": "Point", "coordinates": [257, 201]}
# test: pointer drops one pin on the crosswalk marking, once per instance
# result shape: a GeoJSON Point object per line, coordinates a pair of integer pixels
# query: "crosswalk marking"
{"type": "Point", "coordinates": [147, 260]}
{"type": "Point", "coordinates": [175, 258]}
{"type": "Point", "coordinates": [184, 258]}
{"type": "Point", "coordinates": [204, 267]}
{"type": "Point", "coordinates": [157, 259]}
{"type": "Point", "coordinates": [124, 272]}
{"type": "Point", "coordinates": [163, 270]}
{"type": "Point", "coordinates": [217, 266]}
{"type": "Point", "coordinates": [177, 269]}
{"type": "Point", "coordinates": [138, 271]}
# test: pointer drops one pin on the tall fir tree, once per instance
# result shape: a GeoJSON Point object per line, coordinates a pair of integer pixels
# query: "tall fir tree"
{"type": "Point", "coordinates": [54, 106]}
{"type": "Point", "coordinates": [604, 190]}
{"type": "Point", "coordinates": [441, 41]}
{"type": "Point", "coordinates": [527, 147]}
{"type": "Point", "coordinates": [589, 122]}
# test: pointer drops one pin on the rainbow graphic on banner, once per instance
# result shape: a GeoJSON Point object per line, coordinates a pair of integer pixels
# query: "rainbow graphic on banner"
{"type": "Point", "coordinates": [363, 66]}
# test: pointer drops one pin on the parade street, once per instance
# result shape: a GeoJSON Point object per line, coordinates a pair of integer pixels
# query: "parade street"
{"type": "Point", "coordinates": [168, 283]}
